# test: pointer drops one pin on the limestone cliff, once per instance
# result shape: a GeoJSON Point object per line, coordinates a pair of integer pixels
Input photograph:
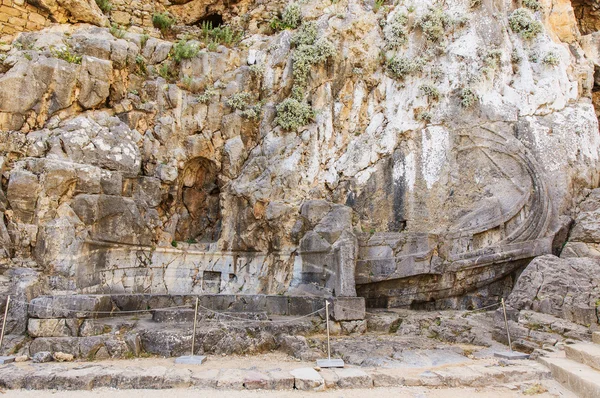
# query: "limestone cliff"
{"type": "Point", "coordinates": [416, 153]}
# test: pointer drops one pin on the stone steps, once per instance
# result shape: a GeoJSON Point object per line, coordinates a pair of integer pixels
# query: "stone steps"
{"type": "Point", "coordinates": [578, 377]}
{"type": "Point", "coordinates": [146, 374]}
{"type": "Point", "coordinates": [587, 354]}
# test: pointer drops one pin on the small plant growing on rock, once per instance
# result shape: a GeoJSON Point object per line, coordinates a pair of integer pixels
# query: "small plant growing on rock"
{"type": "Point", "coordinates": [290, 18]}
{"type": "Point", "coordinates": [521, 22]}
{"type": "Point", "coordinates": [140, 63]}
{"type": "Point", "coordinates": [293, 114]}
{"type": "Point", "coordinates": [184, 49]}
{"type": "Point", "coordinates": [435, 24]}
{"type": "Point", "coordinates": [104, 5]}
{"type": "Point", "coordinates": [515, 58]}
{"type": "Point", "coordinates": [532, 5]}
{"type": "Point", "coordinates": [308, 55]}
{"type": "Point", "coordinates": [238, 100]}
{"type": "Point", "coordinates": [430, 91]}
{"type": "Point", "coordinates": [493, 58]}
{"type": "Point", "coordinates": [395, 32]}
{"type": "Point", "coordinates": [257, 70]}
{"type": "Point", "coordinates": [117, 31]}
{"type": "Point", "coordinates": [208, 93]}
{"type": "Point", "coordinates": [551, 59]}
{"type": "Point", "coordinates": [400, 67]}
{"type": "Point", "coordinates": [424, 116]}
{"type": "Point", "coordinates": [377, 5]}
{"type": "Point", "coordinates": [307, 34]}
{"type": "Point", "coordinates": [534, 56]}
{"type": "Point", "coordinates": [219, 35]}
{"type": "Point", "coordinates": [163, 21]}
{"type": "Point", "coordinates": [468, 98]}
{"type": "Point", "coordinates": [65, 54]}
{"type": "Point", "coordinates": [252, 112]}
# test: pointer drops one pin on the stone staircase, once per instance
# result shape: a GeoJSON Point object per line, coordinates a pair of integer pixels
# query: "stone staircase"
{"type": "Point", "coordinates": [578, 367]}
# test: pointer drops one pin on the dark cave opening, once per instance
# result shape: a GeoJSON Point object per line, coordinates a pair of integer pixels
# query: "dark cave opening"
{"type": "Point", "coordinates": [214, 20]}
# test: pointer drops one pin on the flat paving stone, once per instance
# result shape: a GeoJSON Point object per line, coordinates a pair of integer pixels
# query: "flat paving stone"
{"type": "Point", "coordinates": [307, 379]}
{"type": "Point", "coordinates": [191, 360]}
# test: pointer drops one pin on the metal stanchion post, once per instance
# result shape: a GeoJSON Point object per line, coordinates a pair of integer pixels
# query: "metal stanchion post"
{"type": "Point", "coordinates": [506, 325]}
{"type": "Point", "coordinates": [510, 354]}
{"type": "Point", "coordinates": [192, 359]}
{"type": "Point", "coordinates": [5, 359]}
{"type": "Point", "coordinates": [329, 363]}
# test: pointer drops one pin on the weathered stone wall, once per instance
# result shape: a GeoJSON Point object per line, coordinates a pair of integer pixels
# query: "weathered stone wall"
{"type": "Point", "coordinates": [19, 16]}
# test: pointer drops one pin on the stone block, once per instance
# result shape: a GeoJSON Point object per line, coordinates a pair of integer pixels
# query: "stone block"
{"type": "Point", "coordinates": [280, 380]}
{"type": "Point", "coordinates": [254, 380]}
{"type": "Point", "coordinates": [308, 379]}
{"type": "Point", "coordinates": [596, 337]}
{"type": "Point", "coordinates": [205, 378]}
{"type": "Point", "coordinates": [74, 306]}
{"type": "Point", "coordinates": [353, 378]}
{"type": "Point", "coordinates": [53, 327]}
{"type": "Point", "coordinates": [277, 305]}
{"type": "Point", "coordinates": [347, 308]}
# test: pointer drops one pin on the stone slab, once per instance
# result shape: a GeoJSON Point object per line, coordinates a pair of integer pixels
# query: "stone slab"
{"type": "Point", "coordinates": [347, 308]}
{"type": "Point", "coordinates": [511, 355]}
{"type": "Point", "coordinates": [330, 363]}
{"type": "Point", "coordinates": [5, 360]}
{"type": "Point", "coordinates": [353, 378]}
{"type": "Point", "coordinates": [596, 337]}
{"type": "Point", "coordinates": [307, 379]}
{"type": "Point", "coordinates": [191, 359]}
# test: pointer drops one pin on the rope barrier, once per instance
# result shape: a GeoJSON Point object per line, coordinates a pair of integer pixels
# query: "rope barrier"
{"type": "Point", "coordinates": [223, 314]}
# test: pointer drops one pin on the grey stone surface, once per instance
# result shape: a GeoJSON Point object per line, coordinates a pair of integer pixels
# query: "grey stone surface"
{"type": "Point", "coordinates": [191, 360]}
{"type": "Point", "coordinates": [42, 356]}
{"type": "Point", "coordinates": [307, 379]}
{"type": "Point", "coordinates": [348, 308]}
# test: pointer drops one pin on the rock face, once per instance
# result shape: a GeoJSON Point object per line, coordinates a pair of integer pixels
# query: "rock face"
{"type": "Point", "coordinates": [338, 149]}
{"type": "Point", "coordinates": [566, 288]}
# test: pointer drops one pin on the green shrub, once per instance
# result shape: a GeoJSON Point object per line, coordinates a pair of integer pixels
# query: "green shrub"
{"type": "Point", "coordinates": [468, 98]}
{"type": "Point", "coordinates": [293, 114]}
{"type": "Point", "coordinates": [532, 5]}
{"type": "Point", "coordinates": [104, 5]}
{"type": "Point", "coordinates": [65, 54]}
{"type": "Point", "coordinates": [551, 59]}
{"type": "Point", "coordinates": [395, 32]}
{"type": "Point", "coordinates": [522, 23]}
{"type": "Point", "coordinates": [165, 70]}
{"type": "Point", "coordinates": [430, 91]}
{"type": "Point", "coordinates": [163, 21]}
{"type": "Point", "coordinates": [400, 67]}
{"type": "Point", "coordinates": [143, 40]}
{"type": "Point", "coordinates": [184, 49]}
{"type": "Point", "coordinates": [238, 100]}
{"type": "Point", "coordinates": [252, 112]}
{"type": "Point", "coordinates": [117, 31]}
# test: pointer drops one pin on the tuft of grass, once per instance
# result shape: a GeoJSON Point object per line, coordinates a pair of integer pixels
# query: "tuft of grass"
{"type": "Point", "coordinates": [163, 21]}
{"type": "Point", "coordinates": [184, 49]}
{"type": "Point", "coordinates": [117, 31]}
{"type": "Point", "coordinates": [104, 5]}
{"type": "Point", "coordinates": [140, 64]}
{"type": "Point", "coordinates": [65, 54]}
{"type": "Point", "coordinates": [377, 6]}
{"type": "Point", "coordinates": [522, 23]}
{"type": "Point", "coordinates": [213, 36]}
